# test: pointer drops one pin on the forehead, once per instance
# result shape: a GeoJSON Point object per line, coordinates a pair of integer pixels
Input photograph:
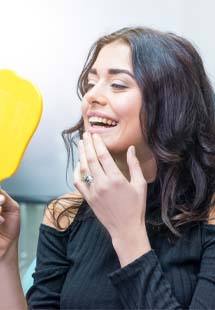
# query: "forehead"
{"type": "Point", "coordinates": [114, 55]}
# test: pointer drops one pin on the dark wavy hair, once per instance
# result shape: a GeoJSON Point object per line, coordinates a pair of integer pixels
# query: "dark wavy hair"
{"type": "Point", "coordinates": [177, 118]}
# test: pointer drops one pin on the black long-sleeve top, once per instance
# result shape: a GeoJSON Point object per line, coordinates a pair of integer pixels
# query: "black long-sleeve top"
{"type": "Point", "coordinates": [79, 269]}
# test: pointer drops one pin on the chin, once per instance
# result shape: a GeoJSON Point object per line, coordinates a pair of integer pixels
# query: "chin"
{"type": "Point", "coordinates": [116, 149]}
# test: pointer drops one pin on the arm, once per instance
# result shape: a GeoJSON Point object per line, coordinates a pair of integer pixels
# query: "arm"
{"type": "Point", "coordinates": [52, 264]}
{"type": "Point", "coordinates": [12, 296]}
{"type": "Point", "coordinates": [142, 284]}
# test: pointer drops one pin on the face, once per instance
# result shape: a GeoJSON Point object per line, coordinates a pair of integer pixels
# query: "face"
{"type": "Point", "coordinates": [112, 104]}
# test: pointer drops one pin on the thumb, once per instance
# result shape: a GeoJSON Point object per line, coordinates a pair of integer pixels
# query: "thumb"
{"type": "Point", "coordinates": [7, 202]}
{"type": "Point", "coordinates": [134, 166]}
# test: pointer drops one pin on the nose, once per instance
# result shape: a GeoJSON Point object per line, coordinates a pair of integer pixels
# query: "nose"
{"type": "Point", "coordinates": [96, 96]}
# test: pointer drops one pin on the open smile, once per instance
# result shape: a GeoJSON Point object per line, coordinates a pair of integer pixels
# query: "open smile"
{"type": "Point", "coordinates": [100, 124]}
{"type": "Point", "coordinates": [95, 128]}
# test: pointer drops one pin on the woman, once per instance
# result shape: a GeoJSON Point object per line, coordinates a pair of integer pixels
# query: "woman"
{"type": "Point", "coordinates": [141, 235]}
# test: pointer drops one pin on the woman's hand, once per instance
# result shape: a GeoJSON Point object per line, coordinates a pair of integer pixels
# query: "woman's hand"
{"type": "Point", "coordinates": [118, 204]}
{"type": "Point", "coordinates": [9, 222]}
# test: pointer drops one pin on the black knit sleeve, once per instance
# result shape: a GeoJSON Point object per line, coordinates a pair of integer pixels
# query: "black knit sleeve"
{"type": "Point", "coordinates": [51, 268]}
{"type": "Point", "coordinates": [142, 283]}
{"type": "Point", "coordinates": [205, 289]}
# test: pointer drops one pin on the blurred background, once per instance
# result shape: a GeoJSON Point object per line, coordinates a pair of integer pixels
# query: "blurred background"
{"type": "Point", "coordinates": [47, 41]}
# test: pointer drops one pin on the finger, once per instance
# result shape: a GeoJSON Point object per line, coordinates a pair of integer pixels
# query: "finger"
{"type": "Point", "coordinates": [2, 198]}
{"type": "Point", "coordinates": [84, 168]}
{"type": "Point", "coordinates": [78, 183]}
{"type": "Point", "coordinates": [2, 220]}
{"type": "Point", "coordinates": [108, 164]}
{"type": "Point", "coordinates": [135, 170]}
{"type": "Point", "coordinates": [91, 156]}
{"type": "Point", "coordinates": [7, 202]}
{"type": "Point", "coordinates": [76, 173]}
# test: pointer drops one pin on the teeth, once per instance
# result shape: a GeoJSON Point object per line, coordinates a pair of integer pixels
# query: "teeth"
{"type": "Point", "coordinates": [95, 119]}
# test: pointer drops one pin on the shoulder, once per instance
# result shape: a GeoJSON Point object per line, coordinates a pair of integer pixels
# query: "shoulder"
{"type": "Point", "coordinates": [64, 209]}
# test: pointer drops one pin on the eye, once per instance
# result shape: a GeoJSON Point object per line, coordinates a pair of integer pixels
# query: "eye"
{"type": "Point", "coordinates": [118, 86]}
{"type": "Point", "coordinates": [89, 85]}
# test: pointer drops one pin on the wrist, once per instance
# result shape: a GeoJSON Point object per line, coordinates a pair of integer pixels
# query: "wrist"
{"type": "Point", "coordinates": [131, 245]}
{"type": "Point", "coordinates": [11, 256]}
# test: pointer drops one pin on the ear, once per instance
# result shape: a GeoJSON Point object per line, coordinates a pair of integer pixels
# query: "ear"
{"type": "Point", "coordinates": [212, 212]}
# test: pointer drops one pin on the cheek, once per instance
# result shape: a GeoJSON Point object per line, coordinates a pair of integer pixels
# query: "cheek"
{"type": "Point", "coordinates": [84, 107]}
{"type": "Point", "coordinates": [129, 107]}
{"type": "Point", "coordinates": [130, 113]}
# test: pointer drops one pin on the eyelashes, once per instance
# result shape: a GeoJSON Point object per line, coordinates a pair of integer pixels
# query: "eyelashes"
{"type": "Point", "coordinates": [88, 86]}
{"type": "Point", "coordinates": [118, 86]}
{"type": "Point", "coordinates": [113, 85]}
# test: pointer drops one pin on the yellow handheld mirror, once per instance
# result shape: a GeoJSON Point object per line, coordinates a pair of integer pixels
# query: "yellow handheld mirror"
{"type": "Point", "coordinates": [20, 113]}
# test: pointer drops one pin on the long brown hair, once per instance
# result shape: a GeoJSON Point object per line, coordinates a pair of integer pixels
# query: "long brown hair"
{"type": "Point", "coordinates": [177, 118]}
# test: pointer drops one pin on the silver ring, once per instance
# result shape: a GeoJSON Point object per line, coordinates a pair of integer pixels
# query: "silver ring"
{"type": "Point", "coordinates": [88, 179]}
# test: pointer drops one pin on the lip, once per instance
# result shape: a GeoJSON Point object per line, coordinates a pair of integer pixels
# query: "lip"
{"type": "Point", "coordinates": [100, 130]}
{"type": "Point", "coordinates": [100, 114]}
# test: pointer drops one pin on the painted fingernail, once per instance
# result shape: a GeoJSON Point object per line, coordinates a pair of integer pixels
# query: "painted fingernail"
{"type": "Point", "coordinates": [1, 198]}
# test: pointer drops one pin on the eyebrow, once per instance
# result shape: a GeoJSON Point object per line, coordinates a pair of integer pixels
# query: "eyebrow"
{"type": "Point", "coordinates": [114, 72]}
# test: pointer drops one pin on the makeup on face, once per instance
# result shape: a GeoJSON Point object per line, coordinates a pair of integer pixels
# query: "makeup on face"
{"type": "Point", "coordinates": [112, 104]}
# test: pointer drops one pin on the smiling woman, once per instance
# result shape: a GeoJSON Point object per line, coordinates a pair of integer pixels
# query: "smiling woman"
{"type": "Point", "coordinates": [115, 95]}
{"type": "Point", "coordinates": [139, 232]}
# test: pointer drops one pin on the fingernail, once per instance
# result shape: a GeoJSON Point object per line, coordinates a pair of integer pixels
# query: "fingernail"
{"type": "Point", "coordinates": [2, 220]}
{"type": "Point", "coordinates": [132, 150]}
{"type": "Point", "coordinates": [86, 135]}
{"type": "Point", "coordinates": [1, 198]}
